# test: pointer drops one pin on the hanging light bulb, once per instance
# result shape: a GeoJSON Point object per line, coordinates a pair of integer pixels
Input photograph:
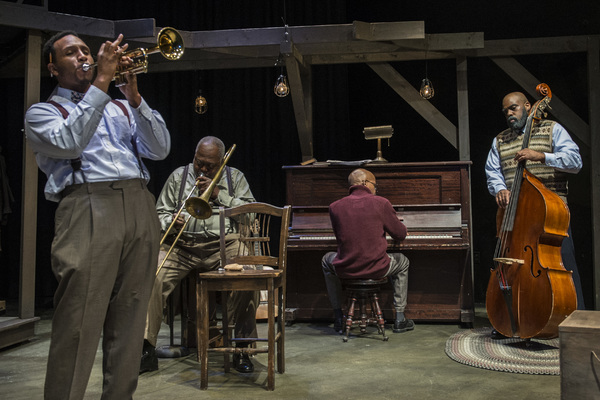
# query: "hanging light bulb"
{"type": "Point", "coordinates": [200, 105]}
{"type": "Point", "coordinates": [426, 89]}
{"type": "Point", "coordinates": [281, 88]}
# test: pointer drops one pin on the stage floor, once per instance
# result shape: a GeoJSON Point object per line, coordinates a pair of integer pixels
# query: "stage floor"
{"type": "Point", "coordinates": [318, 365]}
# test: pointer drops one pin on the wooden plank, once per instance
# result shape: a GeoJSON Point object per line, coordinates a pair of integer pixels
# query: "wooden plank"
{"type": "Point", "coordinates": [300, 80]}
{"type": "Point", "coordinates": [445, 41]}
{"type": "Point", "coordinates": [525, 46]}
{"type": "Point", "coordinates": [419, 104]}
{"type": "Point", "coordinates": [464, 150]}
{"type": "Point", "coordinates": [32, 17]}
{"type": "Point", "coordinates": [29, 182]}
{"type": "Point", "coordinates": [579, 350]}
{"type": "Point", "coordinates": [560, 110]}
{"type": "Point", "coordinates": [16, 330]}
{"type": "Point", "coordinates": [270, 36]}
{"type": "Point", "coordinates": [377, 31]}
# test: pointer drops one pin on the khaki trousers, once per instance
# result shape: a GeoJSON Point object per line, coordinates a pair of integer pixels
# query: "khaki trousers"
{"type": "Point", "coordinates": [199, 257]}
{"type": "Point", "coordinates": [103, 255]}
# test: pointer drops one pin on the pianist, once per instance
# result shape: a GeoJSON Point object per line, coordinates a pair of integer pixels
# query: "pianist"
{"type": "Point", "coordinates": [360, 222]}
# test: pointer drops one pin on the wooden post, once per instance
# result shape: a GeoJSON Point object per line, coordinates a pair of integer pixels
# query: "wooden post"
{"type": "Point", "coordinates": [30, 179]}
{"type": "Point", "coordinates": [593, 62]}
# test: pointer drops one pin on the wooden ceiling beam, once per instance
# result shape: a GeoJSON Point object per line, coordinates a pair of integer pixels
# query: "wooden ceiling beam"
{"type": "Point", "coordinates": [35, 17]}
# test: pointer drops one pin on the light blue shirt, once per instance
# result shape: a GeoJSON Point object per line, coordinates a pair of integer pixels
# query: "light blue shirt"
{"type": "Point", "coordinates": [98, 132]}
{"type": "Point", "coordinates": [565, 158]}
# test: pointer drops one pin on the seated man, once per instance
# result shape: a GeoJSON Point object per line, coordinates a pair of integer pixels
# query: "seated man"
{"type": "Point", "coordinates": [360, 222]}
{"type": "Point", "coordinates": [198, 246]}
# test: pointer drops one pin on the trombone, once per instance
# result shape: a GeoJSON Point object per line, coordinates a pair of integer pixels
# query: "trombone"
{"type": "Point", "coordinates": [197, 207]}
{"type": "Point", "coordinates": [169, 44]}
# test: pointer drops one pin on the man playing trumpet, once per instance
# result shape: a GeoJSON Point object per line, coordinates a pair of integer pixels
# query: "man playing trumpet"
{"type": "Point", "coordinates": [198, 245]}
{"type": "Point", "coordinates": [106, 228]}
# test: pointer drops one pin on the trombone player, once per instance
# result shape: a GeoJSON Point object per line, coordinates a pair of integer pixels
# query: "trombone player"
{"type": "Point", "coordinates": [106, 227]}
{"type": "Point", "coordinates": [198, 245]}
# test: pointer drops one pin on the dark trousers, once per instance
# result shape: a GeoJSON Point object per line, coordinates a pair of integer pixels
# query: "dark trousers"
{"type": "Point", "coordinates": [567, 251]}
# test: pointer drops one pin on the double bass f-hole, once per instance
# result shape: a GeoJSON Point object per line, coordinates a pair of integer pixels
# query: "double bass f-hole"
{"type": "Point", "coordinates": [531, 264]}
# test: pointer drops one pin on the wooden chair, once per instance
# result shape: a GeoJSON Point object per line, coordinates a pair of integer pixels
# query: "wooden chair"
{"type": "Point", "coordinates": [256, 222]}
{"type": "Point", "coordinates": [359, 293]}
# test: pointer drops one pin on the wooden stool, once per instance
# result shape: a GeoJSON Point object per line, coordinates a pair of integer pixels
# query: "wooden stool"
{"type": "Point", "coordinates": [359, 291]}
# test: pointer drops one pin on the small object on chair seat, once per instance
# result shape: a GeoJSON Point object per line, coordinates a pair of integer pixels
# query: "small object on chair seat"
{"type": "Point", "coordinates": [233, 267]}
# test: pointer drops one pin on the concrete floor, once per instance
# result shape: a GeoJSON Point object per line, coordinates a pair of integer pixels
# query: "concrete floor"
{"type": "Point", "coordinates": [318, 366]}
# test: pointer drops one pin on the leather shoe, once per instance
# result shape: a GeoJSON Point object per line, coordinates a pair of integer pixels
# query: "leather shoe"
{"type": "Point", "coordinates": [338, 325]}
{"type": "Point", "coordinates": [242, 363]}
{"type": "Point", "coordinates": [404, 325]}
{"type": "Point", "coordinates": [149, 360]}
{"type": "Point", "coordinates": [497, 335]}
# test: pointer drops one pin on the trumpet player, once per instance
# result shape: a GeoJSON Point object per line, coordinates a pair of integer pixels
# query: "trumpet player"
{"type": "Point", "coordinates": [106, 227]}
{"type": "Point", "coordinates": [198, 245]}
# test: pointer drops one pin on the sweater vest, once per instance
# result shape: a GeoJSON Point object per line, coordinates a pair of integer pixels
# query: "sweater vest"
{"type": "Point", "coordinates": [509, 143]}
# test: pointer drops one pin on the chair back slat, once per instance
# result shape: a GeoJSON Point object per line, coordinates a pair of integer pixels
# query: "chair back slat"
{"type": "Point", "coordinates": [260, 227]}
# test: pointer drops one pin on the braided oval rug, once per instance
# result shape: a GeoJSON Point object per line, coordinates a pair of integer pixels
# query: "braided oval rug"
{"type": "Point", "coordinates": [476, 347]}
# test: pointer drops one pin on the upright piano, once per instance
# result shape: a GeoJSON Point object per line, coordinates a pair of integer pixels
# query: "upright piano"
{"type": "Point", "coordinates": [432, 199]}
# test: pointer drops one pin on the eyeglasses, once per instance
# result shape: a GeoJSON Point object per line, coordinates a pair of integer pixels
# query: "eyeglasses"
{"type": "Point", "coordinates": [372, 183]}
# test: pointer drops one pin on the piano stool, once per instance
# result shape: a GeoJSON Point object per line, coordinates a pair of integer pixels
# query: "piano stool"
{"type": "Point", "coordinates": [358, 292]}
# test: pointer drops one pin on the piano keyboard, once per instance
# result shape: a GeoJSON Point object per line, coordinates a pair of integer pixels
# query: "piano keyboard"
{"type": "Point", "coordinates": [442, 236]}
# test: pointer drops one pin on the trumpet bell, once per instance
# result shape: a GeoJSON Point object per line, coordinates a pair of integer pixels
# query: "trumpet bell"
{"type": "Point", "coordinates": [170, 43]}
{"type": "Point", "coordinates": [199, 208]}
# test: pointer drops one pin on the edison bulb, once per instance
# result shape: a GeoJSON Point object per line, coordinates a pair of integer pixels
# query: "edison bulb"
{"type": "Point", "coordinates": [201, 105]}
{"type": "Point", "coordinates": [426, 89]}
{"type": "Point", "coordinates": [281, 88]}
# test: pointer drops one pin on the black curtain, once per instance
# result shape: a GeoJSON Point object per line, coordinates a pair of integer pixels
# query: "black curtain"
{"type": "Point", "coordinates": [243, 109]}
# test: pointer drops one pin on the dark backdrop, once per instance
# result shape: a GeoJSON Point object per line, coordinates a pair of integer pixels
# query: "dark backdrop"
{"type": "Point", "coordinates": [243, 109]}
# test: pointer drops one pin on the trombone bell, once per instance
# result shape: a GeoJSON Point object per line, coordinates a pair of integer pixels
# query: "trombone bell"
{"type": "Point", "coordinates": [198, 207]}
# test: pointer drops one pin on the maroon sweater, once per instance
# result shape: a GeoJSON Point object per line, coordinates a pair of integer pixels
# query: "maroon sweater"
{"type": "Point", "coordinates": [360, 222]}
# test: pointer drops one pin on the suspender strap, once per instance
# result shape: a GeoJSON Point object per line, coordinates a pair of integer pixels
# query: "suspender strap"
{"type": "Point", "coordinates": [182, 186]}
{"type": "Point", "coordinates": [133, 142]}
{"type": "Point", "coordinates": [123, 108]}
{"type": "Point", "coordinates": [76, 162]}
{"type": "Point", "coordinates": [62, 110]}
{"type": "Point", "coordinates": [229, 182]}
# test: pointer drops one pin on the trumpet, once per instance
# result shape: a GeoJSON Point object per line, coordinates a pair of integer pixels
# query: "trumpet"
{"type": "Point", "coordinates": [197, 207]}
{"type": "Point", "coordinates": [169, 44]}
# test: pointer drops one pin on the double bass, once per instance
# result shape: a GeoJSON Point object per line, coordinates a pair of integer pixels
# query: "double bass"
{"type": "Point", "coordinates": [530, 292]}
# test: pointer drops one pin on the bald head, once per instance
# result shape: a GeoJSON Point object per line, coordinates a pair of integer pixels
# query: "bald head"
{"type": "Point", "coordinates": [515, 97]}
{"type": "Point", "coordinates": [362, 177]}
{"type": "Point", "coordinates": [515, 108]}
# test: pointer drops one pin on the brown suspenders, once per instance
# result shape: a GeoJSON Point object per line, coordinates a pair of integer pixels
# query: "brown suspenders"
{"type": "Point", "coordinates": [76, 162]}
